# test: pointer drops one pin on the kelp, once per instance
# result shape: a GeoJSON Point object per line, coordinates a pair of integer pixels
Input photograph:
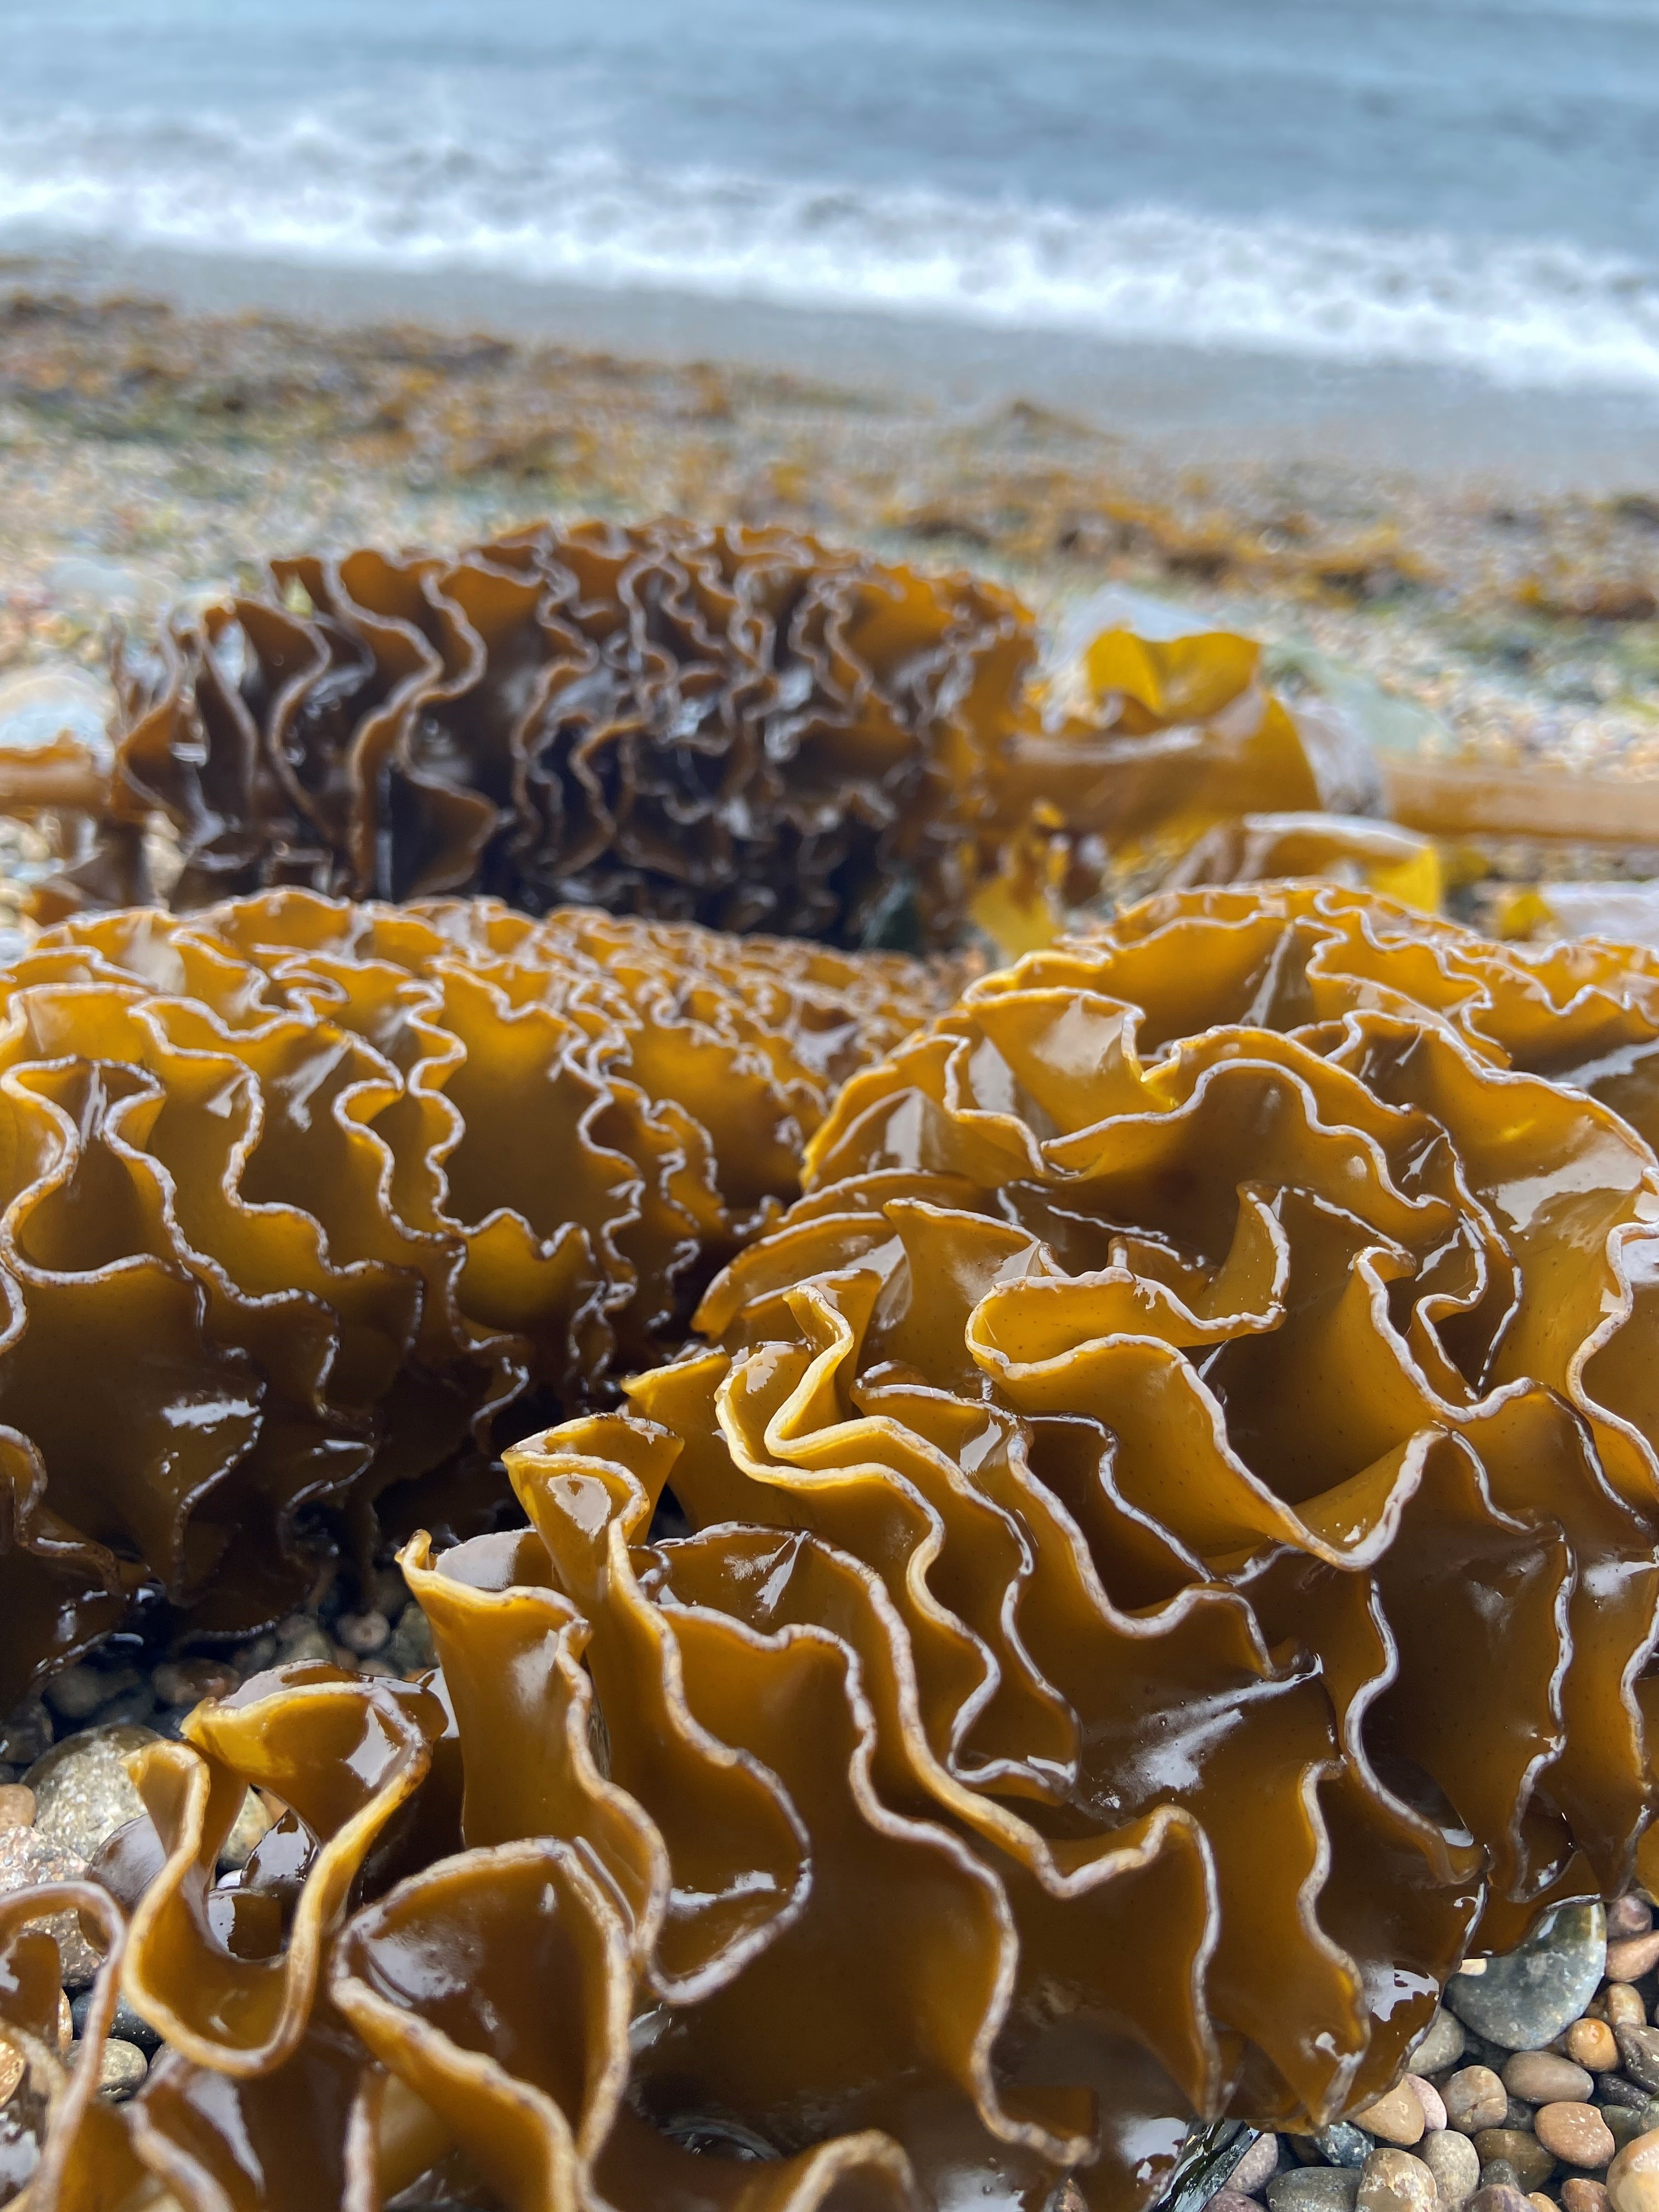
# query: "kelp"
{"type": "Point", "coordinates": [1174, 1512]}
{"type": "Point", "coordinates": [739, 727]}
{"type": "Point", "coordinates": [299, 1198]}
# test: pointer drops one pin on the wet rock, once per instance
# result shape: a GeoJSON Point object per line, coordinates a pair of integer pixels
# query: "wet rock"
{"type": "Point", "coordinates": [187, 1681]}
{"type": "Point", "coordinates": [1497, 2196]}
{"type": "Point", "coordinates": [28, 1858]}
{"type": "Point", "coordinates": [1543, 2079]}
{"type": "Point", "coordinates": [83, 1791]}
{"type": "Point", "coordinates": [77, 1692]}
{"type": "Point", "coordinates": [1393, 2181]}
{"type": "Point", "coordinates": [1474, 2098]}
{"type": "Point", "coordinates": [363, 1633]}
{"type": "Point", "coordinates": [1629, 1916]}
{"type": "Point", "coordinates": [1499, 2173]}
{"type": "Point", "coordinates": [1524, 2000]}
{"type": "Point", "coordinates": [1633, 2177]}
{"type": "Point", "coordinates": [1455, 2163]}
{"type": "Point", "coordinates": [1614, 2089]}
{"type": "Point", "coordinates": [250, 1823]}
{"type": "Point", "coordinates": [1343, 2144]}
{"type": "Point", "coordinates": [1632, 1956]}
{"type": "Point", "coordinates": [1396, 2119]}
{"type": "Point", "coordinates": [1638, 2047]}
{"type": "Point", "coordinates": [17, 1806]}
{"type": "Point", "coordinates": [1533, 2164]}
{"type": "Point", "coordinates": [1257, 2167]}
{"type": "Point", "coordinates": [410, 1647]}
{"type": "Point", "coordinates": [1441, 2043]}
{"type": "Point", "coordinates": [1434, 2107]}
{"type": "Point", "coordinates": [1580, 2194]}
{"type": "Point", "coordinates": [121, 2068]}
{"type": "Point", "coordinates": [1625, 2122]}
{"type": "Point", "coordinates": [1574, 2133]}
{"type": "Point", "coordinates": [1230, 2200]}
{"type": "Point", "coordinates": [1623, 2006]}
{"type": "Point", "coordinates": [1591, 2044]}
{"type": "Point", "coordinates": [1314, 2189]}
{"type": "Point", "coordinates": [26, 1733]}
{"type": "Point", "coordinates": [125, 2023]}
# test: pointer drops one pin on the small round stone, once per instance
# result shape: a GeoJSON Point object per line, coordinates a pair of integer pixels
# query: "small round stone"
{"type": "Point", "coordinates": [17, 1806]}
{"type": "Point", "coordinates": [1629, 1916]}
{"type": "Point", "coordinates": [83, 1791]}
{"type": "Point", "coordinates": [1591, 2044]}
{"type": "Point", "coordinates": [1434, 2107]}
{"type": "Point", "coordinates": [77, 1692]}
{"type": "Point", "coordinates": [1257, 2167]}
{"type": "Point", "coordinates": [27, 1859]}
{"type": "Point", "coordinates": [1624, 2006]}
{"type": "Point", "coordinates": [1474, 2098]}
{"type": "Point", "coordinates": [1342, 2143]}
{"type": "Point", "coordinates": [1497, 2196]}
{"type": "Point", "coordinates": [26, 1733]}
{"type": "Point", "coordinates": [1539, 2203]}
{"type": "Point", "coordinates": [310, 1643]}
{"type": "Point", "coordinates": [1533, 2164]}
{"type": "Point", "coordinates": [1314, 2189]}
{"type": "Point", "coordinates": [1543, 2079]}
{"type": "Point", "coordinates": [1441, 2044]}
{"type": "Point", "coordinates": [187, 1681]}
{"type": "Point", "coordinates": [1633, 2176]}
{"type": "Point", "coordinates": [1632, 1956]}
{"type": "Point", "coordinates": [1574, 2133]}
{"type": "Point", "coordinates": [1625, 2122]}
{"type": "Point", "coordinates": [125, 2023]}
{"type": "Point", "coordinates": [1455, 2163]}
{"type": "Point", "coordinates": [1638, 2047]}
{"type": "Point", "coordinates": [1499, 2173]}
{"type": "Point", "coordinates": [1393, 2181]}
{"type": "Point", "coordinates": [1524, 1999]}
{"type": "Point", "coordinates": [1396, 2119]}
{"type": "Point", "coordinates": [362, 1631]}
{"type": "Point", "coordinates": [254, 1658]}
{"type": "Point", "coordinates": [1230, 2200]}
{"type": "Point", "coordinates": [1580, 2194]}
{"type": "Point", "coordinates": [122, 2067]}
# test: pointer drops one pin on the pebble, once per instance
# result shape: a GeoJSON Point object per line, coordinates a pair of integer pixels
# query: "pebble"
{"type": "Point", "coordinates": [1592, 2043]}
{"type": "Point", "coordinates": [26, 1733]}
{"type": "Point", "coordinates": [1580, 2194]}
{"type": "Point", "coordinates": [17, 1806]}
{"type": "Point", "coordinates": [309, 1644]}
{"type": "Point", "coordinates": [362, 1631]}
{"type": "Point", "coordinates": [1533, 2164]}
{"type": "Point", "coordinates": [1497, 2173]}
{"type": "Point", "coordinates": [1536, 2197]}
{"type": "Point", "coordinates": [121, 2068]}
{"type": "Point", "coordinates": [1625, 2122]}
{"type": "Point", "coordinates": [1525, 1999]}
{"type": "Point", "coordinates": [250, 1825]}
{"type": "Point", "coordinates": [125, 2023]}
{"type": "Point", "coordinates": [1574, 2133]}
{"type": "Point", "coordinates": [27, 1857]}
{"type": "Point", "coordinates": [1613, 2089]}
{"type": "Point", "coordinates": [1396, 2119]}
{"type": "Point", "coordinates": [83, 1792]}
{"type": "Point", "coordinates": [1393, 2181]}
{"type": "Point", "coordinates": [1257, 2167]}
{"type": "Point", "coordinates": [187, 1681]}
{"type": "Point", "coordinates": [1639, 2049]}
{"type": "Point", "coordinates": [1455, 2163]}
{"type": "Point", "coordinates": [1543, 2079]}
{"type": "Point", "coordinates": [1474, 2098]}
{"type": "Point", "coordinates": [1632, 1956]}
{"type": "Point", "coordinates": [77, 1692]}
{"type": "Point", "coordinates": [1630, 1915]}
{"type": "Point", "coordinates": [1434, 2108]}
{"type": "Point", "coordinates": [1315, 2189]}
{"type": "Point", "coordinates": [1441, 2044]}
{"type": "Point", "coordinates": [1497, 2196]}
{"type": "Point", "coordinates": [1633, 2177]}
{"type": "Point", "coordinates": [254, 1658]}
{"type": "Point", "coordinates": [1623, 2006]}
{"type": "Point", "coordinates": [1230, 2200]}
{"type": "Point", "coordinates": [1343, 2144]}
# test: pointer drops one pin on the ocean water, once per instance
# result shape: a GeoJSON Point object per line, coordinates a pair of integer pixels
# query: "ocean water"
{"type": "Point", "coordinates": [1465, 183]}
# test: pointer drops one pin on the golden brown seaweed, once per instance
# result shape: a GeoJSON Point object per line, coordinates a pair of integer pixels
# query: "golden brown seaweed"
{"type": "Point", "coordinates": [330, 1188]}
{"type": "Point", "coordinates": [1192, 1353]}
{"type": "Point", "coordinates": [739, 727]}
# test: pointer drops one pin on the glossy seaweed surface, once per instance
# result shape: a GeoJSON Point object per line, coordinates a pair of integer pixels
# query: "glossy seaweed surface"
{"type": "Point", "coordinates": [739, 727]}
{"type": "Point", "coordinates": [327, 1189]}
{"type": "Point", "coordinates": [1194, 1354]}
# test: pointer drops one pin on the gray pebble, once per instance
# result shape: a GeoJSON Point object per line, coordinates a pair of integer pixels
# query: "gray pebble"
{"type": "Point", "coordinates": [254, 1658]}
{"type": "Point", "coordinates": [1314, 2189]}
{"type": "Point", "coordinates": [1613, 2089]}
{"type": "Point", "coordinates": [1517, 2113]}
{"type": "Point", "coordinates": [1441, 2044]}
{"type": "Point", "coordinates": [1542, 2078]}
{"type": "Point", "coordinates": [77, 1692]}
{"type": "Point", "coordinates": [309, 1643]}
{"type": "Point", "coordinates": [1499, 2173]}
{"type": "Point", "coordinates": [126, 2023]}
{"type": "Point", "coordinates": [411, 1646]}
{"type": "Point", "coordinates": [1257, 2167]}
{"type": "Point", "coordinates": [1343, 2144]}
{"type": "Point", "coordinates": [83, 1792]}
{"type": "Point", "coordinates": [1626, 2122]}
{"type": "Point", "coordinates": [1524, 1999]}
{"type": "Point", "coordinates": [28, 1858]}
{"type": "Point", "coordinates": [1638, 2047]}
{"type": "Point", "coordinates": [1455, 2163]}
{"type": "Point", "coordinates": [25, 1733]}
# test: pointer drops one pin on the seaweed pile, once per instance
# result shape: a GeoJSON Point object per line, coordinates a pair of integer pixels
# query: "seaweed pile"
{"type": "Point", "coordinates": [331, 1188]}
{"type": "Point", "coordinates": [1173, 1567]}
{"type": "Point", "coordinates": [739, 727]}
